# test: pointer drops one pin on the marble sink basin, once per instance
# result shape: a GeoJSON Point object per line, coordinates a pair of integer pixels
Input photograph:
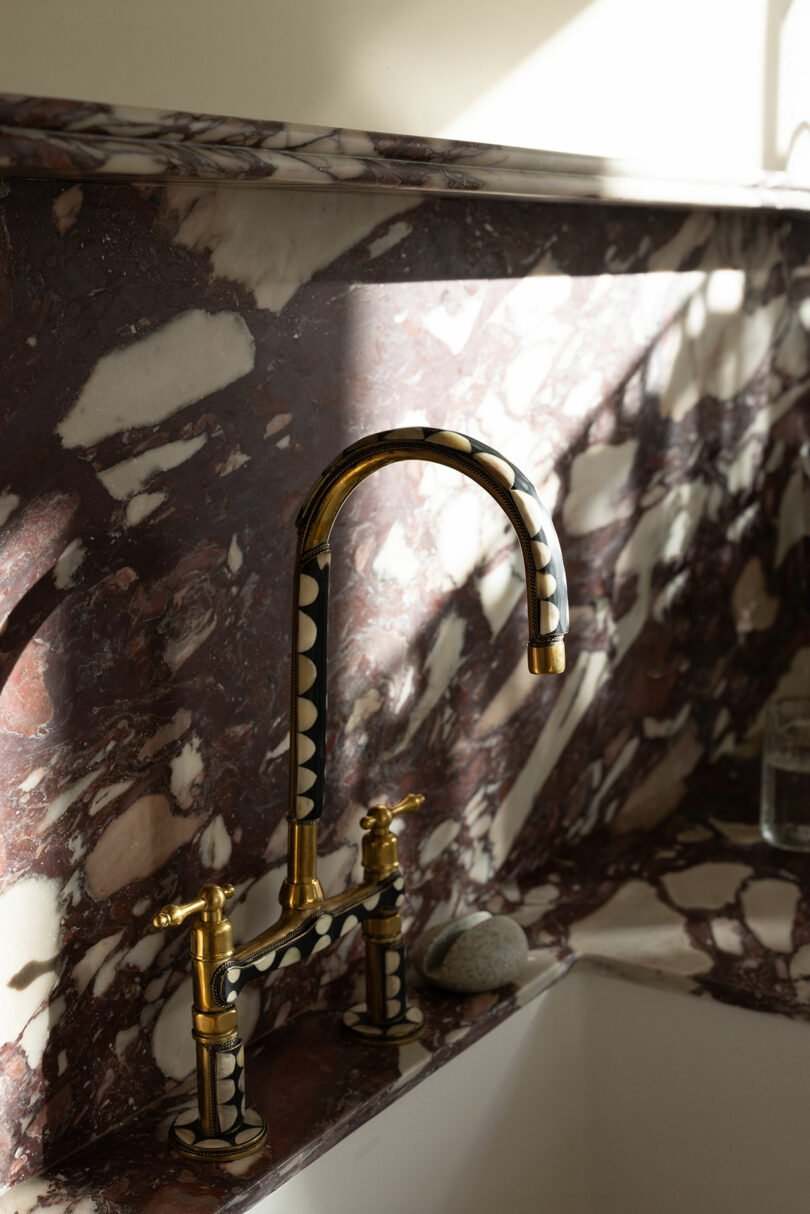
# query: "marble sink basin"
{"type": "Point", "coordinates": [599, 1096]}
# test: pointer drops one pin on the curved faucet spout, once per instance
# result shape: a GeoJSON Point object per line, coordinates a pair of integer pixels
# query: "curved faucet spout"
{"type": "Point", "coordinates": [546, 593]}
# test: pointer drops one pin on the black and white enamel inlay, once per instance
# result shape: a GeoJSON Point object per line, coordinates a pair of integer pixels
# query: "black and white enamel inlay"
{"type": "Point", "coordinates": [545, 573]}
{"type": "Point", "coordinates": [312, 936]}
{"type": "Point", "coordinates": [235, 1127]}
{"type": "Point", "coordinates": [310, 685]}
{"type": "Point", "coordinates": [395, 1019]}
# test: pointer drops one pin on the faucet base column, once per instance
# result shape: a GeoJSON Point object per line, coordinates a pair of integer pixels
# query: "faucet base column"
{"type": "Point", "coordinates": [386, 1017]}
{"type": "Point", "coordinates": [358, 1023]}
{"type": "Point", "coordinates": [218, 1127]}
{"type": "Point", "coordinates": [188, 1138]}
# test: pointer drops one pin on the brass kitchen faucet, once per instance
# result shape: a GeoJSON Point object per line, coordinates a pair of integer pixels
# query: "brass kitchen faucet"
{"type": "Point", "coordinates": [219, 1127]}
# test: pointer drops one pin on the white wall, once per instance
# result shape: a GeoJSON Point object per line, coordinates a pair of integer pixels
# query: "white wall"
{"type": "Point", "coordinates": [715, 84]}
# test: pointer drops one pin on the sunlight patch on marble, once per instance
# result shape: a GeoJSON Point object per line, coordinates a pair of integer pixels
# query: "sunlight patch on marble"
{"type": "Point", "coordinates": [714, 348]}
{"type": "Point", "coordinates": [395, 560]}
{"type": "Point", "coordinates": [442, 663]}
{"type": "Point", "coordinates": [500, 589]}
{"type": "Point", "coordinates": [453, 325]}
{"type": "Point", "coordinates": [30, 923]}
{"type": "Point", "coordinates": [515, 690]}
{"type": "Point", "coordinates": [598, 491]}
{"type": "Point", "coordinates": [662, 534]}
{"type": "Point", "coordinates": [577, 693]}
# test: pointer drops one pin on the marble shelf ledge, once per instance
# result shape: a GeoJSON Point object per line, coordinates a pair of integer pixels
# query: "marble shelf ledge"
{"type": "Point", "coordinates": [46, 137]}
{"type": "Point", "coordinates": [700, 903]}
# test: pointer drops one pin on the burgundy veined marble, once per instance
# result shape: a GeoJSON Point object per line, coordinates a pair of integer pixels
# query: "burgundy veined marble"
{"type": "Point", "coordinates": [723, 914]}
{"type": "Point", "coordinates": [48, 137]}
{"type": "Point", "coordinates": [179, 364]}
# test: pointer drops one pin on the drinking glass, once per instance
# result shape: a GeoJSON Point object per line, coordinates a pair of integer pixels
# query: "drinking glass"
{"type": "Point", "coordinates": [785, 802]}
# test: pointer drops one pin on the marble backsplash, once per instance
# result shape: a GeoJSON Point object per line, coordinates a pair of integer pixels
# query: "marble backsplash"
{"type": "Point", "coordinates": [180, 362]}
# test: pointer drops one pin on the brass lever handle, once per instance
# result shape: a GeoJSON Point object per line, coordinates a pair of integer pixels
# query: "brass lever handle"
{"type": "Point", "coordinates": [210, 901]}
{"type": "Point", "coordinates": [379, 817]}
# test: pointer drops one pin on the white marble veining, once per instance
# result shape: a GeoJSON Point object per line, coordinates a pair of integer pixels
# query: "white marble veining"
{"type": "Point", "coordinates": [31, 925]}
{"type": "Point", "coordinates": [132, 475]}
{"type": "Point", "coordinates": [635, 926]}
{"type": "Point", "coordinates": [769, 906]}
{"type": "Point", "coordinates": [145, 382]}
{"type": "Point", "coordinates": [240, 228]}
{"type": "Point", "coordinates": [711, 885]}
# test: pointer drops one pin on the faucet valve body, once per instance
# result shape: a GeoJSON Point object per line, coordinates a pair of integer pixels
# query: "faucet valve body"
{"type": "Point", "coordinates": [218, 1126]}
{"type": "Point", "coordinates": [380, 847]}
{"type": "Point", "coordinates": [386, 1016]}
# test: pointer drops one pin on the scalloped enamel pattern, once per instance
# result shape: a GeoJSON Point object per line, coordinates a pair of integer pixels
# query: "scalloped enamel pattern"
{"type": "Point", "coordinates": [515, 490]}
{"type": "Point", "coordinates": [519, 499]}
{"type": "Point", "coordinates": [236, 1125]}
{"type": "Point", "coordinates": [313, 937]}
{"type": "Point", "coordinates": [310, 686]}
{"type": "Point", "coordinates": [396, 1019]}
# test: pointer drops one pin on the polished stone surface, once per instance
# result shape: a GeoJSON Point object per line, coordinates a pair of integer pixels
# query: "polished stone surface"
{"type": "Point", "coordinates": [180, 363]}
{"type": "Point", "coordinates": [700, 903]}
{"type": "Point", "coordinates": [48, 137]}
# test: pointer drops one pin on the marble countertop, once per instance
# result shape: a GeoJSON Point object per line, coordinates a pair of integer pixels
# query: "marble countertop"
{"type": "Point", "coordinates": [701, 903]}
